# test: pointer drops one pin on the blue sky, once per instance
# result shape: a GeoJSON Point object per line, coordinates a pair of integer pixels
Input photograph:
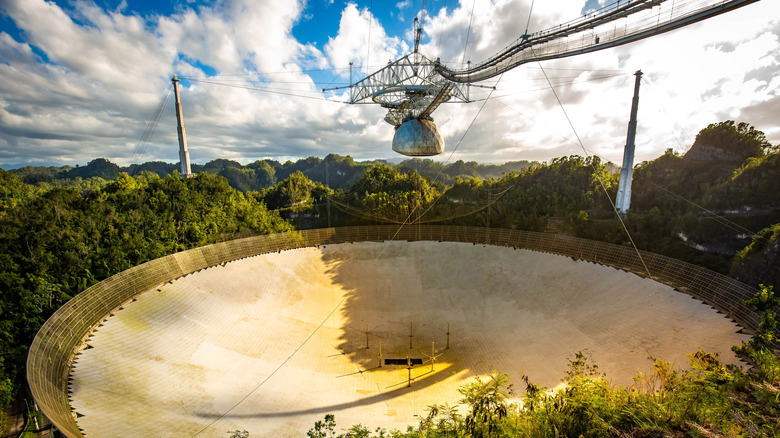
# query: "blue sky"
{"type": "Point", "coordinates": [81, 80]}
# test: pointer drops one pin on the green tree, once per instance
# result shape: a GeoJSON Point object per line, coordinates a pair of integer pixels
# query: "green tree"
{"type": "Point", "coordinates": [294, 190]}
{"type": "Point", "coordinates": [740, 140]}
{"type": "Point", "coordinates": [384, 194]}
{"type": "Point", "coordinates": [61, 241]}
{"type": "Point", "coordinates": [444, 420]}
{"type": "Point", "coordinates": [324, 428]}
{"type": "Point", "coordinates": [99, 167]}
{"type": "Point", "coordinates": [758, 262]}
{"type": "Point", "coordinates": [487, 402]}
{"type": "Point", "coordinates": [765, 302]}
{"type": "Point", "coordinates": [12, 192]}
{"type": "Point", "coordinates": [241, 179]}
{"type": "Point", "coordinates": [265, 174]}
{"type": "Point", "coordinates": [218, 165]}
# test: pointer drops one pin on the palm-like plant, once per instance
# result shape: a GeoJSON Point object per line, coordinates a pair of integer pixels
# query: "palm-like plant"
{"type": "Point", "coordinates": [487, 400]}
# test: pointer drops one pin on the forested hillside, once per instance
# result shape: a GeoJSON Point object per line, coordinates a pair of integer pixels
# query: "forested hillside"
{"type": "Point", "coordinates": [338, 172]}
{"type": "Point", "coordinates": [63, 229]}
{"type": "Point", "coordinates": [56, 242]}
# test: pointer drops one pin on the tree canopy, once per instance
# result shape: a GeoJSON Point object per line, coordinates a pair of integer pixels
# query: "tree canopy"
{"type": "Point", "coordinates": [58, 242]}
{"type": "Point", "coordinates": [731, 141]}
{"type": "Point", "coordinates": [64, 229]}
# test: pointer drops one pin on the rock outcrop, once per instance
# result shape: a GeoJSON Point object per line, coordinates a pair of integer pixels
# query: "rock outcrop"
{"type": "Point", "coordinates": [727, 142]}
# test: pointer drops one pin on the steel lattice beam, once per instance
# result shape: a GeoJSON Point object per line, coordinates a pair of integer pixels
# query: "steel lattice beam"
{"type": "Point", "coordinates": [414, 86]}
{"type": "Point", "coordinates": [407, 87]}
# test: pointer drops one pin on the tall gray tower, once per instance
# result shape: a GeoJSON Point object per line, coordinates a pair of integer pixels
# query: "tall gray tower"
{"type": "Point", "coordinates": [184, 154]}
{"type": "Point", "coordinates": [627, 172]}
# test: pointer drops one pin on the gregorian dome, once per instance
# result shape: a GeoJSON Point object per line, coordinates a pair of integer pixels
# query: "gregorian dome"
{"type": "Point", "coordinates": [418, 138]}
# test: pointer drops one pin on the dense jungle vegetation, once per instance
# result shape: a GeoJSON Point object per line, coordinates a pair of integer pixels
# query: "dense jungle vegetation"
{"type": "Point", "coordinates": [66, 228]}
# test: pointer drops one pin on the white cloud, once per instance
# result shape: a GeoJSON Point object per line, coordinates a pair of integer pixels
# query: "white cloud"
{"type": "Point", "coordinates": [691, 80]}
{"type": "Point", "coordinates": [362, 40]}
{"type": "Point", "coordinates": [103, 72]}
{"type": "Point", "coordinates": [401, 7]}
{"type": "Point", "coordinates": [96, 95]}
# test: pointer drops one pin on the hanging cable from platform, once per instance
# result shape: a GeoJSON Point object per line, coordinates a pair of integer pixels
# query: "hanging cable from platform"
{"type": "Point", "coordinates": [596, 173]}
{"type": "Point", "coordinates": [151, 126]}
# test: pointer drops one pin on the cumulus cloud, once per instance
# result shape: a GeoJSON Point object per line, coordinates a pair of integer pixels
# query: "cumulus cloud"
{"type": "Point", "coordinates": [105, 71]}
{"type": "Point", "coordinates": [82, 82]}
{"type": "Point", "coordinates": [362, 40]}
{"type": "Point", "coordinates": [401, 6]}
{"type": "Point", "coordinates": [693, 77]}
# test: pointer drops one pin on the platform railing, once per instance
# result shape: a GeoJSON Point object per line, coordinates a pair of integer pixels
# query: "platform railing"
{"type": "Point", "coordinates": [64, 334]}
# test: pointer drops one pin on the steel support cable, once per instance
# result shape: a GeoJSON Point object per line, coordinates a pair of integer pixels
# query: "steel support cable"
{"type": "Point", "coordinates": [265, 90]}
{"type": "Point", "coordinates": [534, 121]}
{"type": "Point", "coordinates": [468, 32]}
{"type": "Point", "coordinates": [452, 153]}
{"type": "Point", "coordinates": [253, 85]}
{"type": "Point", "coordinates": [642, 28]}
{"type": "Point", "coordinates": [441, 28]}
{"type": "Point", "coordinates": [549, 36]}
{"type": "Point", "coordinates": [519, 90]}
{"type": "Point", "coordinates": [492, 199]}
{"type": "Point", "coordinates": [528, 23]}
{"type": "Point", "coordinates": [266, 73]}
{"type": "Point", "coordinates": [340, 83]}
{"type": "Point", "coordinates": [560, 31]}
{"type": "Point", "coordinates": [316, 94]}
{"type": "Point", "coordinates": [678, 138]}
{"type": "Point", "coordinates": [720, 219]}
{"type": "Point", "coordinates": [406, 221]}
{"type": "Point", "coordinates": [364, 214]}
{"type": "Point", "coordinates": [419, 189]}
{"type": "Point", "coordinates": [152, 123]}
{"type": "Point", "coordinates": [498, 99]}
{"type": "Point", "coordinates": [275, 370]}
{"type": "Point", "coordinates": [423, 16]}
{"type": "Point", "coordinates": [151, 126]}
{"type": "Point", "coordinates": [257, 82]}
{"type": "Point", "coordinates": [577, 26]}
{"type": "Point", "coordinates": [557, 84]}
{"type": "Point", "coordinates": [601, 182]}
{"type": "Point", "coordinates": [368, 45]}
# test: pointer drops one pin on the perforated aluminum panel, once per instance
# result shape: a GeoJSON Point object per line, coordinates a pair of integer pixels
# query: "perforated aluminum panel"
{"type": "Point", "coordinates": [61, 338]}
{"type": "Point", "coordinates": [418, 138]}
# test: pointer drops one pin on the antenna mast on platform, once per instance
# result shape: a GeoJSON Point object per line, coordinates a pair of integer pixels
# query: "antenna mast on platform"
{"type": "Point", "coordinates": [623, 200]}
{"type": "Point", "coordinates": [184, 154]}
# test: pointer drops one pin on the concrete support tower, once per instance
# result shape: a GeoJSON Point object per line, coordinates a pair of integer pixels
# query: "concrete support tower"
{"type": "Point", "coordinates": [184, 154]}
{"type": "Point", "coordinates": [627, 172]}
